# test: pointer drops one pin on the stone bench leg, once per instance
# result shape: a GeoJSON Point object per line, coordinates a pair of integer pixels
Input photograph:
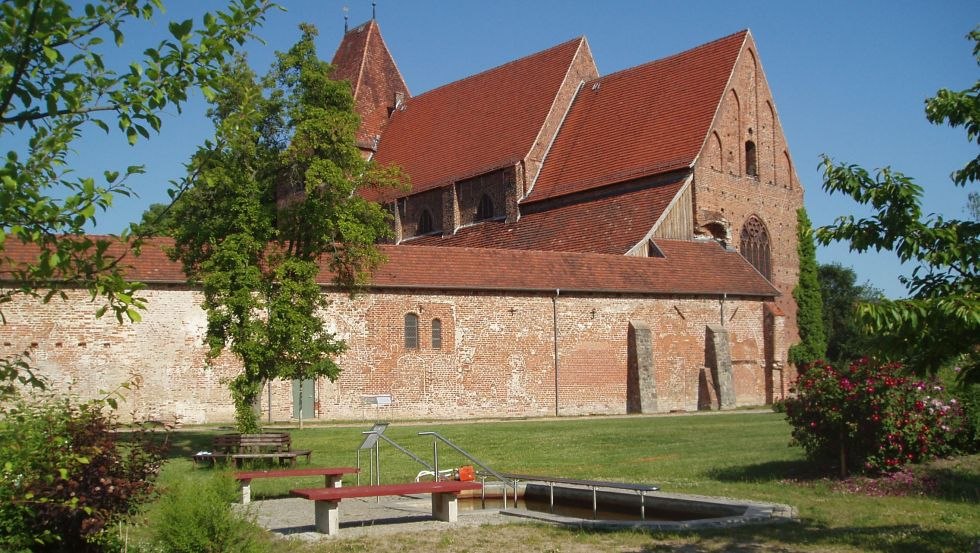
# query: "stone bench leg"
{"type": "Point", "coordinates": [332, 480]}
{"type": "Point", "coordinates": [327, 517]}
{"type": "Point", "coordinates": [246, 491]}
{"type": "Point", "coordinates": [445, 507]}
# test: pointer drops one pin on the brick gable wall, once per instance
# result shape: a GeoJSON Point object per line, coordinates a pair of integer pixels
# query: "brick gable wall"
{"type": "Point", "coordinates": [725, 196]}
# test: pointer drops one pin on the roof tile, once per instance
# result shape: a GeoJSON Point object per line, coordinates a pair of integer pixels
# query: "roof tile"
{"type": "Point", "coordinates": [363, 60]}
{"type": "Point", "coordinates": [610, 225]}
{"type": "Point", "coordinates": [680, 272]}
{"type": "Point", "coordinates": [480, 123]}
{"type": "Point", "coordinates": [646, 120]}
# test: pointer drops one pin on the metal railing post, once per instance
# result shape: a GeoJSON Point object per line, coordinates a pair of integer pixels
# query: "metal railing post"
{"type": "Point", "coordinates": [435, 461]}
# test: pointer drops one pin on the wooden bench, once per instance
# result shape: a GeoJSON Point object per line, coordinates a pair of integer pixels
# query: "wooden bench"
{"type": "Point", "coordinates": [327, 500]}
{"type": "Point", "coordinates": [275, 446]}
{"type": "Point", "coordinates": [331, 477]}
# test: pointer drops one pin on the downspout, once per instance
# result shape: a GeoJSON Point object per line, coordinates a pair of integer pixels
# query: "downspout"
{"type": "Point", "coordinates": [721, 313]}
{"type": "Point", "coordinates": [554, 318]}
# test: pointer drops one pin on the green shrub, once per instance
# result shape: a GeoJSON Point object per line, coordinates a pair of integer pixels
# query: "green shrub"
{"type": "Point", "coordinates": [66, 475]}
{"type": "Point", "coordinates": [874, 417]}
{"type": "Point", "coordinates": [197, 516]}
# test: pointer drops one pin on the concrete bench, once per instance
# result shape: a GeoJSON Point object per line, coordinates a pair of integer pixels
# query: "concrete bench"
{"type": "Point", "coordinates": [327, 500]}
{"type": "Point", "coordinates": [331, 476]}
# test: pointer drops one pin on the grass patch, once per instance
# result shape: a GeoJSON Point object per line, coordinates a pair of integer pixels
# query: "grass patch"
{"type": "Point", "coordinates": [736, 455]}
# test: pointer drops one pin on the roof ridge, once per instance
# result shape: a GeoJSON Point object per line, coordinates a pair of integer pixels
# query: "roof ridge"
{"type": "Point", "coordinates": [512, 251]}
{"type": "Point", "coordinates": [703, 46]}
{"type": "Point", "coordinates": [367, 45]}
{"type": "Point", "coordinates": [501, 66]}
{"type": "Point", "coordinates": [394, 62]}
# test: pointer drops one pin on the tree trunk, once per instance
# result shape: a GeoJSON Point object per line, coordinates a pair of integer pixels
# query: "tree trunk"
{"type": "Point", "coordinates": [843, 456]}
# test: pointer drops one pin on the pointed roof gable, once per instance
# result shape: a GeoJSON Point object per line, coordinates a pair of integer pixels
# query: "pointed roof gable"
{"type": "Point", "coordinates": [475, 125]}
{"type": "Point", "coordinates": [641, 121]}
{"type": "Point", "coordinates": [363, 60]}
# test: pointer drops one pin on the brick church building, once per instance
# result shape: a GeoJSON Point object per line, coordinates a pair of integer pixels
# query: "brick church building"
{"type": "Point", "coordinates": [571, 244]}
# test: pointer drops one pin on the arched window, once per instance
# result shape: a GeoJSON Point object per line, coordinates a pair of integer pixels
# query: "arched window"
{"type": "Point", "coordinates": [754, 246]}
{"type": "Point", "coordinates": [436, 334]}
{"type": "Point", "coordinates": [485, 210]}
{"type": "Point", "coordinates": [425, 223]}
{"type": "Point", "coordinates": [411, 331]}
{"type": "Point", "coordinates": [751, 166]}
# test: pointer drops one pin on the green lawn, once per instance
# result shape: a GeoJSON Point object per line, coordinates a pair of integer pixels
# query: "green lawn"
{"type": "Point", "coordinates": [739, 455]}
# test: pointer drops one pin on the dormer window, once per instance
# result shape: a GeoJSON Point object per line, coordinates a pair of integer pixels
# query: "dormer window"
{"type": "Point", "coordinates": [485, 210]}
{"type": "Point", "coordinates": [425, 223]}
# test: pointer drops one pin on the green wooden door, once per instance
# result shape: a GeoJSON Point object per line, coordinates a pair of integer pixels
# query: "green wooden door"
{"type": "Point", "coordinates": [306, 403]}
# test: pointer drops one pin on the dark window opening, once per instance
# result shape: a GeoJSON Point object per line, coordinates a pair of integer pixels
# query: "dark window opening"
{"type": "Point", "coordinates": [751, 165]}
{"type": "Point", "coordinates": [425, 222]}
{"type": "Point", "coordinates": [436, 334]}
{"type": "Point", "coordinates": [653, 250]}
{"type": "Point", "coordinates": [754, 246]}
{"type": "Point", "coordinates": [485, 210]}
{"type": "Point", "coordinates": [411, 331]}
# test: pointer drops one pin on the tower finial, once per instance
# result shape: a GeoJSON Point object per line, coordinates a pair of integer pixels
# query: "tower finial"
{"type": "Point", "coordinates": [346, 18]}
{"type": "Point", "coordinates": [374, 13]}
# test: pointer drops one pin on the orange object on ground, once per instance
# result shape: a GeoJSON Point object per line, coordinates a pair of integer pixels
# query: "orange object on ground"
{"type": "Point", "coordinates": [466, 473]}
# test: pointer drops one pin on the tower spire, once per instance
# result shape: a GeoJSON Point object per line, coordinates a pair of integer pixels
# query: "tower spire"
{"type": "Point", "coordinates": [374, 13]}
{"type": "Point", "coordinates": [346, 18]}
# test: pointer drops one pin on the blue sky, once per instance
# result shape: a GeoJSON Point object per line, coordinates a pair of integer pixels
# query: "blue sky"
{"type": "Point", "coordinates": [849, 79]}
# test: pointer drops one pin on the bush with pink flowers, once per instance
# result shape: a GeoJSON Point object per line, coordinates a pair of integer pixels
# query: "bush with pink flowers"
{"type": "Point", "coordinates": [873, 417]}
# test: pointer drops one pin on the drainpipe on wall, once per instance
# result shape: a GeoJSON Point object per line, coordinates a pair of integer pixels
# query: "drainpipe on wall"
{"type": "Point", "coordinates": [554, 317]}
{"type": "Point", "coordinates": [721, 313]}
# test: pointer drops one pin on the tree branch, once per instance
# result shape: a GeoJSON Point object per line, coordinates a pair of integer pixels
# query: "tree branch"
{"type": "Point", "coordinates": [25, 59]}
{"type": "Point", "coordinates": [35, 116]}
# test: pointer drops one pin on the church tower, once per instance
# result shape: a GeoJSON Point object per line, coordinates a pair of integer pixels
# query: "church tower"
{"type": "Point", "coordinates": [364, 61]}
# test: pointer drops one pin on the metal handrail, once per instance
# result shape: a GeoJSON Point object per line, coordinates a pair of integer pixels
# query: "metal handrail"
{"type": "Point", "coordinates": [464, 453]}
{"type": "Point", "coordinates": [594, 485]}
{"type": "Point", "coordinates": [402, 449]}
{"type": "Point", "coordinates": [587, 483]}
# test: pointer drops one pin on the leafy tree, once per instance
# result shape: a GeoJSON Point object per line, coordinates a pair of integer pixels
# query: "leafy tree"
{"type": "Point", "coordinates": [809, 314]}
{"type": "Point", "coordinates": [846, 340]}
{"type": "Point", "coordinates": [157, 220]}
{"type": "Point", "coordinates": [258, 261]}
{"type": "Point", "coordinates": [55, 87]}
{"type": "Point", "coordinates": [65, 475]}
{"type": "Point", "coordinates": [939, 323]}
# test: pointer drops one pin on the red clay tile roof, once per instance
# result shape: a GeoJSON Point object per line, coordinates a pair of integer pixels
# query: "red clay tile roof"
{"type": "Point", "coordinates": [641, 121]}
{"type": "Point", "coordinates": [152, 265]}
{"type": "Point", "coordinates": [681, 272]}
{"type": "Point", "coordinates": [481, 123]}
{"type": "Point", "coordinates": [610, 225]}
{"type": "Point", "coordinates": [363, 59]}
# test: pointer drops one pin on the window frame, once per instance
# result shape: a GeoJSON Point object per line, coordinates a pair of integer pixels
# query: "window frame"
{"type": "Point", "coordinates": [411, 331]}
{"type": "Point", "coordinates": [425, 223]}
{"type": "Point", "coordinates": [485, 209]}
{"type": "Point", "coordinates": [436, 333]}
